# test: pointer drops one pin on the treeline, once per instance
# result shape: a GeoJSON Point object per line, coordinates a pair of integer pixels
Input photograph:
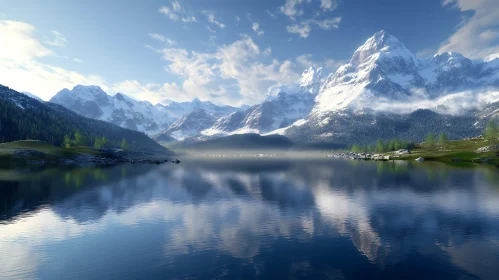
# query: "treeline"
{"type": "Point", "coordinates": [368, 128]}
{"type": "Point", "coordinates": [382, 146]}
{"type": "Point", "coordinates": [24, 118]}
{"type": "Point", "coordinates": [490, 133]}
{"type": "Point", "coordinates": [78, 140]}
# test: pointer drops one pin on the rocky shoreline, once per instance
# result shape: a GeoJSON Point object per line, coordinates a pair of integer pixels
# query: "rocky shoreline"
{"type": "Point", "coordinates": [89, 160]}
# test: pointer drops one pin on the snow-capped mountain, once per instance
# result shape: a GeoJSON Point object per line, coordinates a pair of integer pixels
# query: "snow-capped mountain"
{"type": "Point", "coordinates": [189, 125]}
{"type": "Point", "coordinates": [32, 96]}
{"type": "Point", "coordinates": [93, 102]}
{"type": "Point", "coordinates": [384, 84]}
{"type": "Point", "coordinates": [380, 92]}
{"type": "Point", "coordinates": [176, 110]}
{"type": "Point", "coordinates": [384, 91]}
{"type": "Point", "coordinates": [384, 71]}
{"type": "Point", "coordinates": [282, 106]}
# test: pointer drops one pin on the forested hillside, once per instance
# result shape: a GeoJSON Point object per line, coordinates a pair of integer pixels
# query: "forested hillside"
{"type": "Point", "coordinates": [22, 117]}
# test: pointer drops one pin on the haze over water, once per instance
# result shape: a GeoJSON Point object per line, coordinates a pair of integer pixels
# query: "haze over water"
{"type": "Point", "coordinates": [261, 218]}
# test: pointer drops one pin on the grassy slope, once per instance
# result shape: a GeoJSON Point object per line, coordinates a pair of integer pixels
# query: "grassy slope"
{"type": "Point", "coordinates": [465, 150]}
{"type": "Point", "coordinates": [41, 150]}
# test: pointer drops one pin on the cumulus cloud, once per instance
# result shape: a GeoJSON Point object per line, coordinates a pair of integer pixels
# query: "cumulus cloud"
{"type": "Point", "coordinates": [328, 5]}
{"type": "Point", "coordinates": [57, 39]}
{"type": "Point", "coordinates": [20, 62]}
{"type": "Point", "coordinates": [303, 28]}
{"type": "Point", "coordinates": [256, 28]}
{"type": "Point", "coordinates": [234, 73]}
{"type": "Point", "coordinates": [477, 36]}
{"type": "Point", "coordinates": [290, 8]}
{"type": "Point", "coordinates": [176, 12]}
{"type": "Point", "coordinates": [211, 18]}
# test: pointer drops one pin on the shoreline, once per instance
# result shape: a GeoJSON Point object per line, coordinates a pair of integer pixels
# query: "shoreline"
{"type": "Point", "coordinates": [38, 153]}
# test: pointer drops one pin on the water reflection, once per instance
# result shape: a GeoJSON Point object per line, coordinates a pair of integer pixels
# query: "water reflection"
{"type": "Point", "coordinates": [273, 219]}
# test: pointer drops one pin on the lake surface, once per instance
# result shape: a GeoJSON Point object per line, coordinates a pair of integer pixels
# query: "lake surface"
{"type": "Point", "coordinates": [265, 219]}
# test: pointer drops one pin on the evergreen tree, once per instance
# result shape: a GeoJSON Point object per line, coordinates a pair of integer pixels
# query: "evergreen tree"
{"type": "Point", "coordinates": [79, 139]}
{"type": "Point", "coordinates": [397, 145]}
{"type": "Point", "coordinates": [380, 147]}
{"type": "Point", "coordinates": [370, 148]}
{"type": "Point", "coordinates": [430, 139]}
{"type": "Point", "coordinates": [491, 131]}
{"type": "Point", "coordinates": [67, 142]}
{"type": "Point", "coordinates": [100, 142]}
{"type": "Point", "coordinates": [124, 144]}
{"type": "Point", "coordinates": [443, 139]}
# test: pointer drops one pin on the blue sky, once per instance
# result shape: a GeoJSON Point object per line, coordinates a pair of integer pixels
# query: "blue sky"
{"type": "Point", "coordinates": [225, 51]}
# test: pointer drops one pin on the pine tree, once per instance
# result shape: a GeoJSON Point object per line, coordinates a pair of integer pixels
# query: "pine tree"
{"type": "Point", "coordinates": [124, 144]}
{"type": "Point", "coordinates": [380, 147]}
{"type": "Point", "coordinates": [67, 142]}
{"type": "Point", "coordinates": [430, 139]}
{"type": "Point", "coordinates": [491, 131]}
{"type": "Point", "coordinates": [443, 139]}
{"type": "Point", "coordinates": [79, 139]}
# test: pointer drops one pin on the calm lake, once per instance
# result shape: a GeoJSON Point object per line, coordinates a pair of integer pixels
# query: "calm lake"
{"type": "Point", "coordinates": [262, 218]}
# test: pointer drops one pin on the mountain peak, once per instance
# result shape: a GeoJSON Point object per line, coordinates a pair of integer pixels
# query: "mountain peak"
{"type": "Point", "coordinates": [380, 42]}
{"type": "Point", "coordinates": [491, 57]}
{"type": "Point", "coordinates": [311, 78]}
{"type": "Point", "coordinates": [88, 87]}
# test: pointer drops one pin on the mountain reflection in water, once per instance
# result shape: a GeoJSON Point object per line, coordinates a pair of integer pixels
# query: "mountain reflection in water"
{"type": "Point", "coordinates": [259, 218]}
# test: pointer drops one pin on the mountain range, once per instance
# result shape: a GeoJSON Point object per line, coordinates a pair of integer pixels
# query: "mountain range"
{"type": "Point", "coordinates": [23, 117]}
{"type": "Point", "coordinates": [121, 110]}
{"type": "Point", "coordinates": [385, 91]}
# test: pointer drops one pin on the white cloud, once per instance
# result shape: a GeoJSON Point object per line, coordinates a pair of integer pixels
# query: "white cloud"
{"type": "Point", "coordinates": [212, 19]}
{"type": "Point", "coordinates": [424, 53]}
{"type": "Point", "coordinates": [176, 6]}
{"type": "Point", "coordinates": [176, 13]}
{"type": "Point", "coordinates": [476, 36]}
{"type": "Point", "coordinates": [20, 62]}
{"type": "Point", "coordinates": [211, 30]}
{"type": "Point", "coordinates": [78, 60]}
{"type": "Point", "coordinates": [57, 40]}
{"type": "Point", "coordinates": [333, 65]}
{"type": "Point", "coordinates": [303, 28]}
{"type": "Point", "coordinates": [290, 8]}
{"type": "Point", "coordinates": [238, 19]}
{"type": "Point", "coordinates": [272, 15]}
{"type": "Point", "coordinates": [162, 38]}
{"type": "Point", "coordinates": [157, 37]}
{"type": "Point", "coordinates": [256, 28]}
{"type": "Point", "coordinates": [233, 74]}
{"type": "Point", "coordinates": [306, 60]}
{"type": "Point", "coordinates": [329, 5]}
